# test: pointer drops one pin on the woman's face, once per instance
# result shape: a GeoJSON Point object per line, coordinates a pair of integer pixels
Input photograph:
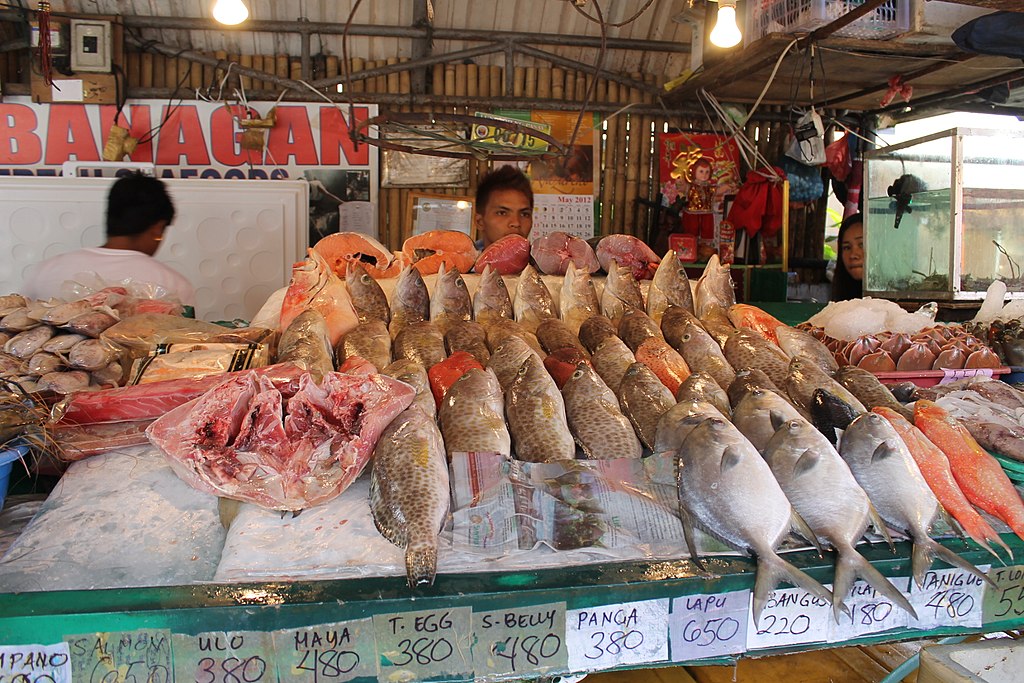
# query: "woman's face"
{"type": "Point", "coordinates": [852, 251]}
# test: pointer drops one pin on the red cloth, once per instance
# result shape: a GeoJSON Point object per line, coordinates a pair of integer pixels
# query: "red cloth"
{"type": "Point", "coordinates": [758, 205]}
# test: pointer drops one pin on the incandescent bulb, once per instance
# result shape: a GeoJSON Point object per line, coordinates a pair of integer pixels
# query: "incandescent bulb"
{"type": "Point", "coordinates": [726, 33]}
{"type": "Point", "coordinates": [230, 12]}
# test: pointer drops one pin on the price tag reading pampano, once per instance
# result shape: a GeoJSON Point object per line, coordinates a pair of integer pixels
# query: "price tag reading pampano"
{"type": "Point", "coordinates": [142, 655]}
{"type": "Point", "coordinates": [948, 597]}
{"type": "Point", "coordinates": [520, 640]}
{"type": "Point", "coordinates": [1005, 600]}
{"type": "Point", "coordinates": [614, 635]}
{"type": "Point", "coordinates": [702, 626]}
{"type": "Point", "coordinates": [869, 612]}
{"type": "Point", "coordinates": [791, 616]}
{"type": "Point", "coordinates": [225, 657]}
{"type": "Point", "coordinates": [425, 645]}
{"type": "Point", "coordinates": [329, 653]}
{"type": "Point", "coordinates": [953, 375]}
{"type": "Point", "coordinates": [35, 663]}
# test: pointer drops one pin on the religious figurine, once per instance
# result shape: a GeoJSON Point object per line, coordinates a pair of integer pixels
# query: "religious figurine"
{"type": "Point", "coordinates": [698, 217]}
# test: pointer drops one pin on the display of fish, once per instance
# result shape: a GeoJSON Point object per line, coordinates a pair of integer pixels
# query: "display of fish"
{"type": "Point", "coordinates": [830, 413]}
{"type": "Point", "coordinates": [670, 287]}
{"type": "Point", "coordinates": [595, 330]}
{"type": "Point", "coordinates": [678, 421]}
{"type": "Point", "coordinates": [498, 329]}
{"type": "Point", "coordinates": [727, 488]}
{"type": "Point", "coordinates": [370, 340]}
{"type": "Point", "coordinates": [935, 469]}
{"type": "Point", "coordinates": [410, 301]}
{"type": "Point", "coordinates": [553, 334]}
{"type": "Point", "coordinates": [805, 377]}
{"type": "Point", "coordinates": [753, 318]}
{"type": "Point", "coordinates": [491, 299]}
{"type": "Point", "coordinates": [450, 300]}
{"type": "Point", "coordinates": [995, 428]}
{"type": "Point", "coordinates": [870, 390]}
{"type": "Point", "coordinates": [978, 474]}
{"type": "Point", "coordinates": [26, 344]}
{"type": "Point", "coordinates": [409, 488]}
{"type": "Point", "coordinates": [798, 343]}
{"type": "Point", "coordinates": [444, 374]}
{"type": "Point", "coordinates": [558, 251]}
{"type": "Point", "coordinates": [714, 288]}
{"type": "Point", "coordinates": [472, 415]}
{"type": "Point", "coordinates": [884, 468]}
{"type": "Point", "coordinates": [664, 361]}
{"type": "Point", "coordinates": [307, 343]}
{"type": "Point", "coordinates": [415, 375]}
{"type": "Point", "coordinates": [536, 415]}
{"type": "Point", "coordinates": [747, 350]}
{"type": "Point", "coordinates": [313, 285]}
{"type": "Point", "coordinates": [468, 336]}
{"type": "Point", "coordinates": [749, 380]}
{"type": "Point", "coordinates": [508, 255]}
{"type": "Point", "coordinates": [636, 327]}
{"type": "Point", "coordinates": [759, 414]}
{"type": "Point", "coordinates": [422, 342]}
{"type": "Point", "coordinates": [716, 321]}
{"type": "Point", "coordinates": [701, 386]}
{"type": "Point", "coordinates": [62, 343]}
{"type": "Point", "coordinates": [594, 418]}
{"type": "Point", "coordinates": [578, 301]}
{"type": "Point", "coordinates": [644, 399]}
{"type": "Point", "coordinates": [629, 253]}
{"type": "Point", "coordinates": [621, 293]}
{"type": "Point", "coordinates": [61, 313]}
{"type": "Point", "coordinates": [95, 322]}
{"type": "Point", "coordinates": [508, 357]}
{"type": "Point", "coordinates": [532, 302]}
{"type": "Point", "coordinates": [805, 464]}
{"type": "Point", "coordinates": [698, 348]}
{"type": "Point", "coordinates": [611, 360]}
{"type": "Point", "coordinates": [18, 320]}
{"type": "Point", "coordinates": [368, 298]}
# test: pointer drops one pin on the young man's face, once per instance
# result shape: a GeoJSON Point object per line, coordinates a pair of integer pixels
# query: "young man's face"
{"type": "Point", "coordinates": [507, 212]}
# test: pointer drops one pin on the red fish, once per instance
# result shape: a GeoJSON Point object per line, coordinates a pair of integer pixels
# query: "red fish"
{"type": "Point", "coordinates": [753, 318]}
{"type": "Point", "coordinates": [561, 363]}
{"type": "Point", "coordinates": [343, 248]}
{"type": "Point", "coordinates": [443, 375]}
{"type": "Point", "coordinates": [630, 253]}
{"type": "Point", "coordinates": [426, 252]}
{"type": "Point", "coordinates": [553, 253]}
{"type": "Point", "coordinates": [508, 256]}
{"type": "Point", "coordinates": [663, 361]}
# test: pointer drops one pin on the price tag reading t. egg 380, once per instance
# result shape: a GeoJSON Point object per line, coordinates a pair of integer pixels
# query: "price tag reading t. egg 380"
{"type": "Point", "coordinates": [425, 645]}
{"type": "Point", "coordinates": [328, 653]}
{"type": "Point", "coordinates": [614, 635]}
{"type": "Point", "coordinates": [520, 640]}
{"type": "Point", "coordinates": [142, 656]}
{"type": "Point", "coordinates": [224, 657]}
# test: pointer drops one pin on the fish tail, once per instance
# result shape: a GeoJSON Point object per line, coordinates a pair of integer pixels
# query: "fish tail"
{"type": "Point", "coordinates": [926, 549]}
{"type": "Point", "coordinates": [421, 563]}
{"type": "Point", "coordinates": [981, 532]}
{"type": "Point", "coordinates": [852, 564]}
{"type": "Point", "coordinates": [773, 570]}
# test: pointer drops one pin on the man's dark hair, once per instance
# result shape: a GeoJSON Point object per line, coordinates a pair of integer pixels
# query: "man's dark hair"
{"type": "Point", "coordinates": [135, 203]}
{"type": "Point", "coordinates": [502, 178]}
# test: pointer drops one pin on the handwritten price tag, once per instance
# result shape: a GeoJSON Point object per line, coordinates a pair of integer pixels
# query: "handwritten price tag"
{"type": "Point", "coordinates": [225, 657]}
{"type": "Point", "coordinates": [612, 635]}
{"type": "Point", "coordinates": [332, 653]}
{"type": "Point", "coordinates": [948, 597]}
{"type": "Point", "coordinates": [708, 625]}
{"type": "Point", "coordinates": [791, 616]}
{"type": "Point", "coordinates": [121, 657]}
{"type": "Point", "coordinates": [35, 663]}
{"type": "Point", "coordinates": [430, 644]}
{"type": "Point", "coordinates": [522, 639]}
{"type": "Point", "coordinates": [870, 612]}
{"type": "Point", "coordinates": [1006, 600]}
{"type": "Point", "coordinates": [953, 375]}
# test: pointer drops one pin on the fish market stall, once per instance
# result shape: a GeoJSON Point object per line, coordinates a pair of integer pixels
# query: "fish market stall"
{"type": "Point", "coordinates": [455, 476]}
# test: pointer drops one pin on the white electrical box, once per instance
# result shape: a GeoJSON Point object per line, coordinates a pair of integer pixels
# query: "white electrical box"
{"type": "Point", "coordinates": [90, 45]}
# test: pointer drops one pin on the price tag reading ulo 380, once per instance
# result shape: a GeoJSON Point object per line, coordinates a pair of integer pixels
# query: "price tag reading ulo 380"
{"type": "Point", "coordinates": [425, 645]}
{"type": "Point", "coordinates": [613, 635]}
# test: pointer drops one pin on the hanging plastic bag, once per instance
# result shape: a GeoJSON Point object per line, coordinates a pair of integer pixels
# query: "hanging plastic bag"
{"type": "Point", "coordinates": [805, 183]}
{"type": "Point", "coordinates": [808, 146]}
{"type": "Point", "coordinates": [838, 159]}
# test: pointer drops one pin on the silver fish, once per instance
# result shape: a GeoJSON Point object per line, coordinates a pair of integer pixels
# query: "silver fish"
{"type": "Point", "coordinates": [759, 413]}
{"type": "Point", "coordinates": [468, 336]}
{"type": "Point", "coordinates": [805, 376]}
{"type": "Point", "coordinates": [611, 360]}
{"type": "Point", "coordinates": [536, 415]}
{"type": "Point", "coordinates": [409, 490]}
{"type": "Point", "coordinates": [677, 423]}
{"type": "Point", "coordinates": [794, 343]}
{"type": "Point", "coordinates": [410, 302]}
{"type": "Point", "coordinates": [91, 354]}
{"type": "Point", "coordinates": [421, 342]}
{"type": "Point", "coordinates": [670, 287]}
{"type": "Point", "coordinates": [807, 466]}
{"type": "Point", "coordinates": [714, 288]}
{"type": "Point", "coordinates": [644, 399]}
{"type": "Point", "coordinates": [491, 299]}
{"type": "Point", "coordinates": [887, 472]}
{"type": "Point", "coordinates": [26, 344]}
{"type": "Point", "coordinates": [507, 357]}
{"type": "Point", "coordinates": [472, 415]}
{"type": "Point", "coordinates": [594, 331]}
{"type": "Point", "coordinates": [726, 487]}
{"type": "Point", "coordinates": [369, 340]}
{"type": "Point", "coordinates": [450, 301]}
{"type": "Point", "coordinates": [307, 342]}
{"type": "Point", "coordinates": [367, 296]}
{"type": "Point", "coordinates": [596, 422]}
{"type": "Point", "coordinates": [578, 301]}
{"type": "Point", "coordinates": [621, 293]}
{"type": "Point", "coordinates": [701, 386]}
{"type": "Point", "coordinates": [532, 302]}
{"type": "Point", "coordinates": [415, 375]}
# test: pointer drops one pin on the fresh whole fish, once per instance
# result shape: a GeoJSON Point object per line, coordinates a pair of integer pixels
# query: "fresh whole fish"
{"type": "Point", "coordinates": [594, 418]}
{"type": "Point", "coordinates": [536, 415]}
{"type": "Point", "coordinates": [716, 321]}
{"type": "Point", "coordinates": [62, 312]}
{"type": "Point", "coordinates": [935, 469]}
{"type": "Point", "coordinates": [553, 335]}
{"type": "Point", "coordinates": [508, 357]}
{"type": "Point", "coordinates": [611, 360]}
{"type": "Point", "coordinates": [759, 414]}
{"type": "Point", "coordinates": [664, 361]}
{"type": "Point", "coordinates": [702, 387]}
{"type": "Point", "coordinates": [468, 336]}
{"type": "Point", "coordinates": [726, 487]}
{"type": "Point", "coordinates": [714, 288]}
{"type": "Point", "coordinates": [91, 324]}
{"type": "Point", "coordinates": [415, 375]}
{"type": "Point", "coordinates": [532, 302]}
{"type": "Point", "coordinates": [491, 299]}
{"type": "Point", "coordinates": [305, 342]}
{"type": "Point", "coordinates": [368, 298]}
{"type": "Point", "coordinates": [678, 421]}
{"type": "Point", "coordinates": [26, 344]}
{"type": "Point", "coordinates": [698, 348]}
{"type": "Point", "coordinates": [578, 301]}
{"type": "Point", "coordinates": [636, 327]}
{"type": "Point", "coordinates": [745, 349]}
{"type": "Point", "coordinates": [595, 330]}
{"type": "Point", "coordinates": [64, 382]}
{"type": "Point", "coordinates": [621, 293]}
{"type": "Point", "coordinates": [409, 491]}
{"type": "Point", "coordinates": [369, 340]}
{"type": "Point", "coordinates": [887, 472]}
{"type": "Point", "coordinates": [562, 364]}
{"type": "Point", "coordinates": [745, 316]}
{"type": "Point", "coordinates": [421, 342]}
{"type": "Point", "coordinates": [499, 328]}
{"type": "Point", "coordinates": [805, 377]}
{"type": "Point", "coordinates": [62, 343]}
{"type": "Point", "coordinates": [443, 375]}
{"type": "Point", "coordinates": [749, 380]}
{"type": "Point", "coordinates": [91, 354]}
{"type": "Point", "coordinates": [830, 413]}
{"type": "Point", "coordinates": [995, 428]}
{"type": "Point", "coordinates": [870, 390]}
{"type": "Point", "coordinates": [12, 301]}
{"type": "Point", "coordinates": [797, 343]}
{"type": "Point", "coordinates": [472, 415]}
{"type": "Point", "coordinates": [410, 302]}
{"type": "Point", "coordinates": [670, 287]}
{"type": "Point", "coordinates": [805, 464]}
{"type": "Point", "coordinates": [313, 285]}
{"type": "Point", "coordinates": [673, 324]}
{"type": "Point", "coordinates": [644, 399]}
{"type": "Point", "coordinates": [18, 320]}
{"type": "Point", "coordinates": [450, 301]}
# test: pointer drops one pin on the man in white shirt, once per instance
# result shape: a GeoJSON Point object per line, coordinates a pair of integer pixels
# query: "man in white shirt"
{"type": "Point", "coordinates": [138, 213]}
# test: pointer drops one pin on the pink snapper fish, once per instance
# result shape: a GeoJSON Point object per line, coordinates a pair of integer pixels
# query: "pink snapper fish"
{"type": "Point", "coordinates": [314, 285]}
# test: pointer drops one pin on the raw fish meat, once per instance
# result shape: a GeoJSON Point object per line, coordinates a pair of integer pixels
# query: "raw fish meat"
{"type": "Point", "coordinates": [314, 285]}
{"type": "Point", "coordinates": [630, 253]}
{"type": "Point", "coordinates": [553, 253]}
{"type": "Point", "coordinates": [507, 256]}
{"type": "Point", "coordinates": [427, 251]}
{"type": "Point", "coordinates": [343, 248]}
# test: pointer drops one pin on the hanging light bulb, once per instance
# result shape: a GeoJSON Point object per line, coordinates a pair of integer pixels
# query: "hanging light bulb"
{"type": "Point", "coordinates": [230, 12]}
{"type": "Point", "coordinates": [726, 33]}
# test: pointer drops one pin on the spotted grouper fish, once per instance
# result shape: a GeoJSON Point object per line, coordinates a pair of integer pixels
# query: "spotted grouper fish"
{"type": "Point", "coordinates": [409, 490]}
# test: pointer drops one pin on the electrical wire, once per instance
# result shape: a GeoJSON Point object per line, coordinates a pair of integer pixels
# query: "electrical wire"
{"type": "Point", "coordinates": [598, 68]}
{"type": "Point", "coordinates": [620, 24]}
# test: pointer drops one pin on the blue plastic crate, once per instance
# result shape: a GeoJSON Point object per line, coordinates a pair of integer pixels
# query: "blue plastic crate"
{"type": "Point", "coordinates": [7, 460]}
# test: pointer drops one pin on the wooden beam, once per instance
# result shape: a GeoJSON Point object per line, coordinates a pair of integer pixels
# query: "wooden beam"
{"type": "Point", "coordinates": [924, 71]}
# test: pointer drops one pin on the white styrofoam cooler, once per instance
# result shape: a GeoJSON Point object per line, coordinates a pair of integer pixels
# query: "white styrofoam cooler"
{"type": "Point", "coordinates": [235, 240]}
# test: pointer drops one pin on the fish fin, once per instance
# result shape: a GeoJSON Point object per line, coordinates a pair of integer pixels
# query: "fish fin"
{"type": "Point", "coordinates": [849, 565]}
{"type": "Point", "coordinates": [383, 516]}
{"type": "Point", "coordinates": [880, 527]}
{"type": "Point", "coordinates": [421, 562]}
{"type": "Point", "coordinates": [951, 558]}
{"type": "Point", "coordinates": [804, 530]}
{"type": "Point", "coordinates": [883, 450]}
{"type": "Point", "coordinates": [730, 458]}
{"type": "Point", "coordinates": [777, 419]}
{"type": "Point", "coordinates": [806, 462]}
{"type": "Point", "coordinates": [921, 561]}
{"type": "Point", "coordinates": [691, 544]}
{"type": "Point", "coordinates": [771, 571]}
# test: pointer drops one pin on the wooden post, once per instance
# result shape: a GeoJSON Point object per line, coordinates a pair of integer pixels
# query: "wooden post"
{"type": "Point", "coordinates": [472, 80]}
{"type": "Point", "coordinates": [281, 68]}
{"type": "Point", "coordinates": [531, 82]}
{"type": "Point", "coordinates": [394, 80]}
{"type": "Point", "coordinates": [437, 82]}
{"type": "Point", "coordinates": [405, 82]}
{"type": "Point", "coordinates": [497, 80]}
{"type": "Point", "coordinates": [145, 70]}
{"type": "Point", "coordinates": [518, 81]}
{"type": "Point", "coordinates": [460, 80]}
{"type": "Point", "coordinates": [449, 79]}
{"type": "Point", "coordinates": [558, 84]}
{"type": "Point", "coordinates": [245, 81]}
{"type": "Point", "coordinates": [544, 78]}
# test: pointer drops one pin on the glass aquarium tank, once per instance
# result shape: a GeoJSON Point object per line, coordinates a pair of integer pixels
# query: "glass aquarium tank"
{"type": "Point", "coordinates": [944, 216]}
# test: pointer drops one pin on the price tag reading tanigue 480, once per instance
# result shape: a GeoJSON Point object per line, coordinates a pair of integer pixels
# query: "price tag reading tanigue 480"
{"type": "Point", "coordinates": [948, 597]}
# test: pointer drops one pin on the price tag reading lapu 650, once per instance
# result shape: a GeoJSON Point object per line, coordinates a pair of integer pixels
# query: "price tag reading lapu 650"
{"type": "Point", "coordinates": [791, 616]}
{"type": "Point", "coordinates": [613, 635]}
{"type": "Point", "coordinates": [948, 597]}
{"type": "Point", "coordinates": [704, 626]}
{"type": "Point", "coordinates": [224, 657]}
{"type": "Point", "coordinates": [520, 640]}
{"type": "Point", "coordinates": [142, 656]}
{"type": "Point", "coordinates": [35, 663]}
{"type": "Point", "coordinates": [1006, 600]}
{"type": "Point", "coordinates": [430, 644]}
{"type": "Point", "coordinates": [328, 653]}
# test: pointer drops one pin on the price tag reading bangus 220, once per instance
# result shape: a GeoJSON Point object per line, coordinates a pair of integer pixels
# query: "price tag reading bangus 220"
{"type": "Point", "coordinates": [144, 655]}
{"type": "Point", "coordinates": [791, 616]}
{"type": "Point", "coordinates": [225, 657]}
{"type": "Point", "coordinates": [520, 640]}
{"type": "Point", "coordinates": [613, 635]}
{"type": "Point", "coordinates": [429, 644]}
{"type": "Point", "coordinates": [328, 653]}
{"type": "Point", "coordinates": [702, 626]}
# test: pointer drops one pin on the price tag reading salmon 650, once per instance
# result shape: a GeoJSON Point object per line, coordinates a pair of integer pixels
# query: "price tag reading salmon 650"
{"type": "Point", "coordinates": [329, 653]}
{"type": "Point", "coordinates": [35, 663]}
{"type": "Point", "coordinates": [430, 644]}
{"type": "Point", "coordinates": [224, 657]}
{"type": "Point", "coordinates": [142, 656]}
{"type": "Point", "coordinates": [520, 640]}
{"type": "Point", "coordinates": [614, 635]}
{"type": "Point", "coordinates": [704, 626]}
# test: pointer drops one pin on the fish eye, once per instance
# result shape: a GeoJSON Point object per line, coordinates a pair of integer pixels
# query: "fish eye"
{"type": "Point", "coordinates": [523, 369]}
{"type": "Point", "coordinates": [366, 278]}
{"type": "Point", "coordinates": [687, 337]}
{"type": "Point", "coordinates": [577, 374]}
{"type": "Point", "coordinates": [460, 283]}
